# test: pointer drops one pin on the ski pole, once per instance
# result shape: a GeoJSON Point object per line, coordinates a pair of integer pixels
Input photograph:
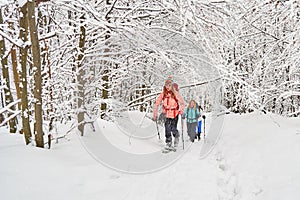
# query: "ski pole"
{"type": "Point", "coordinates": [157, 129]}
{"type": "Point", "coordinates": [182, 133]}
{"type": "Point", "coordinates": [204, 126]}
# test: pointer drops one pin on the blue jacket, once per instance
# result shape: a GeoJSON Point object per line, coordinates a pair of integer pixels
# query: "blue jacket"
{"type": "Point", "coordinates": [191, 115]}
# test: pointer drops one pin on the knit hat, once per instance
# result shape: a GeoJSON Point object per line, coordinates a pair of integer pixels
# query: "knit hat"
{"type": "Point", "coordinates": [169, 80]}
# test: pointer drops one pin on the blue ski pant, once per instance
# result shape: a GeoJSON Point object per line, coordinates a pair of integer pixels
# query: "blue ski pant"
{"type": "Point", "coordinates": [199, 129]}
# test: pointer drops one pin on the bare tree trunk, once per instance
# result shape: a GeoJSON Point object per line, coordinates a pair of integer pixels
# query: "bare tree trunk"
{"type": "Point", "coordinates": [142, 106]}
{"type": "Point", "coordinates": [50, 88]}
{"type": "Point", "coordinates": [5, 73]}
{"type": "Point", "coordinates": [23, 75]}
{"type": "Point", "coordinates": [105, 80]}
{"type": "Point", "coordinates": [38, 127]}
{"type": "Point", "coordinates": [80, 78]}
{"type": "Point", "coordinates": [43, 22]}
{"type": "Point", "coordinates": [14, 62]}
{"type": "Point", "coordinates": [105, 77]}
{"type": "Point", "coordinates": [104, 91]}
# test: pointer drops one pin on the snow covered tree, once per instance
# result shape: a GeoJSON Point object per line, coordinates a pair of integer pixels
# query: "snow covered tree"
{"type": "Point", "coordinates": [36, 57]}
{"type": "Point", "coordinates": [98, 58]}
{"type": "Point", "coordinates": [259, 59]}
{"type": "Point", "coordinates": [80, 77]}
{"type": "Point", "coordinates": [23, 54]}
{"type": "Point", "coordinates": [6, 80]}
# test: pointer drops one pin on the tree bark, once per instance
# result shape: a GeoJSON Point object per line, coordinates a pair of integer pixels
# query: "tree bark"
{"type": "Point", "coordinates": [23, 75]}
{"type": "Point", "coordinates": [14, 62]}
{"type": "Point", "coordinates": [80, 78]}
{"type": "Point", "coordinates": [105, 77]}
{"type": "Point", "coordinates": [48, 114]}
{"type": "Point", "coordinates": [38, 126]}
{"type": "Point", "coordinates": [5, 73]}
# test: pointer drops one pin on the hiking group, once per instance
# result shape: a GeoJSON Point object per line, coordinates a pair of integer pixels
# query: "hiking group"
{"type": "Point", "coordinates": [173, 106]}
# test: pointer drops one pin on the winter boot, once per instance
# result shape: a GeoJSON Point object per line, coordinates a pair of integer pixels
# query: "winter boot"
{"type": "Point", "coordinates": [176, 141]}
{"type": "Point", "coordinates": [168, 144]}
{"type": "Point", "coordinates": [192, 139]}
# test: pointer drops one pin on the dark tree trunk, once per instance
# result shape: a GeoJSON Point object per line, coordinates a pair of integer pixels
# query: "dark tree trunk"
{"type": "Point", "coordinates": [38, 126]}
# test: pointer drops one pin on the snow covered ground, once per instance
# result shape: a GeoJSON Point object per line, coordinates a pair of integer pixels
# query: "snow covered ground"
{"type": "Point", "coordinates": [256, 157]}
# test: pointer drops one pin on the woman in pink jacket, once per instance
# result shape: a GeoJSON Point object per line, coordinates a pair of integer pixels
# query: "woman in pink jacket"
{"type": "Point", "coordinates": [172, 105]}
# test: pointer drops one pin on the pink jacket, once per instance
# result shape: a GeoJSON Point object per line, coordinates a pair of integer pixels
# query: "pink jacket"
{"type": "Point", "coordinates": [170, 106]}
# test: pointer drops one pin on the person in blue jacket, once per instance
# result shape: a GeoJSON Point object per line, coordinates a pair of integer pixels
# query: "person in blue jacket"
{"type": "Point", "coordinates": [191, 113]}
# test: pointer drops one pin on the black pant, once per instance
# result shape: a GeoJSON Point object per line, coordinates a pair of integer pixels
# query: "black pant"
{"type": "Point", "coordinates": [171, 128]}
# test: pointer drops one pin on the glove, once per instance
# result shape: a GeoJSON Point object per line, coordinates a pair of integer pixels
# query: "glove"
{"type": "Point", "coordinates": [203, 116]}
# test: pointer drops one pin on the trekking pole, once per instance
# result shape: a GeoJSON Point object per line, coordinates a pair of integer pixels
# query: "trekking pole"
{"type": "Point", "coordinates": [157, 129]}
{"type": "Point", "coordinates": [182, 133]}
{"type": "Point", "coordinates": [204, 126]}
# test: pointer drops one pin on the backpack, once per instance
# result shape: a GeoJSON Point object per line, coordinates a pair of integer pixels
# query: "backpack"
{"type": "Point", "coordinates": [175, 85]}
{"type": "Point", "coordinates": [196, 114]}
{"type": "Point", "coordinates": [162, 116]}
{"type": "Point", "coordinates": [177, 108]}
